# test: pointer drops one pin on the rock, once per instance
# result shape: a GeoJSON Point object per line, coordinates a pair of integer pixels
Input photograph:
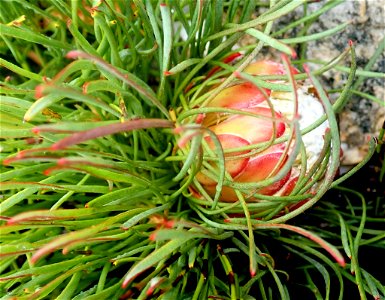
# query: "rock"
{"type": "Point", "coordinates": [361, 118]}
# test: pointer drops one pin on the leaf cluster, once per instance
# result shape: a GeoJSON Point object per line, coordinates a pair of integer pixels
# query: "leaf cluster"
{"type": "Point", "coordinates": [95, 199]}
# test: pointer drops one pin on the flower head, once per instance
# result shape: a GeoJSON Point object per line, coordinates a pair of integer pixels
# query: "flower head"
{"type": "Point", "coordinates": [248, 139]}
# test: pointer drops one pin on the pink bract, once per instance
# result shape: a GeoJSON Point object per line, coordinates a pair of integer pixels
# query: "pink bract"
{"type": "Point", "coordinates": [260, 124]}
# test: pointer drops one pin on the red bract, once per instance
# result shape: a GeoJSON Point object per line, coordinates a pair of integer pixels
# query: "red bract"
{"type": "Point", "coordinates": [233, 165]}
{"type": "Point", "coordinates": [258, 124]}
{"type": "Point", "coordinates": [266, 67]}
{"type": "Point", "coordinates": [239, 96]}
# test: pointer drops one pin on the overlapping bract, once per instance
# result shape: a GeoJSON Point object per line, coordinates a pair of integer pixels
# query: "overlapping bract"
{"type": "Point", "coordinates": [259, 123]}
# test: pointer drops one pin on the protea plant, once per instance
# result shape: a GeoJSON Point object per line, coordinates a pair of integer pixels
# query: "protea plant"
{"type": "Point", "coordinates": [146, 150]}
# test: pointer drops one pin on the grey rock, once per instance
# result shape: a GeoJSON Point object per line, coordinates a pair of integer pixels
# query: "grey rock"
{"type": "Point", "coordinates": [361, 118]}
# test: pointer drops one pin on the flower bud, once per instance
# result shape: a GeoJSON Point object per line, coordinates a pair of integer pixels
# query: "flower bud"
{"type": "Point", "coordinates": [241, 135]}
